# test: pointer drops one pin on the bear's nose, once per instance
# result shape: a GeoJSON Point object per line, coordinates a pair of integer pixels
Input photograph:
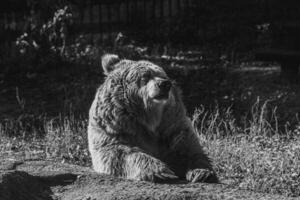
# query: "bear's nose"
{"type": "Point", "coordinates": [165, 85]}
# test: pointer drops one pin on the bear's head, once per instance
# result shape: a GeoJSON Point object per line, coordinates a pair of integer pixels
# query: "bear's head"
{"type": "Point", "coordinates": [140, 79]}
{"type": "Point", "coordinates": [138, 88]}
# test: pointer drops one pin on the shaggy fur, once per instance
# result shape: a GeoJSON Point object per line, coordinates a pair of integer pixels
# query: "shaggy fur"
{"type": "Point", "coordinates": [138, 128]}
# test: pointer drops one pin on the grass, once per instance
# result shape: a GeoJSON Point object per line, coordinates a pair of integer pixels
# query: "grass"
{"type": "Point", "coordinates": [60, 138]}
{"type": "Point", "coordinates": [254, 156]}
{"type": "Point", "coordinates": [257, 157]}
{"type": "Point", "coordinates": [66, 138]}
{"type": "Point", "coordinates": [249, 139]}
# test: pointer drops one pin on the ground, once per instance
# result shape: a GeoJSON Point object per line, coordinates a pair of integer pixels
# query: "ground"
{"type": "Point", "coordinates": [50, 180]}
{"type": "Point", "coordinates": [253, 147]}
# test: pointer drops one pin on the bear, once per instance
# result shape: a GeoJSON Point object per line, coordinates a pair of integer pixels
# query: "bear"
{"type": "Point", "coordinates": [138, 127]}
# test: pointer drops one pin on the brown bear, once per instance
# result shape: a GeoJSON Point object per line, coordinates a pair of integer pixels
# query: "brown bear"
{"type": "Point", "coordinates": [138, 128]}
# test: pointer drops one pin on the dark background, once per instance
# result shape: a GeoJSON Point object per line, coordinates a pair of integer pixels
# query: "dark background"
{"type": "Point", "coordinates": [225, 24]}
{"type": "Point", "coordinates": [50, 51]}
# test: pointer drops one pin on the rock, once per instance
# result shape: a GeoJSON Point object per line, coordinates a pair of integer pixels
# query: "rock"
{"type": "Point", "coordinates": [49, 180]}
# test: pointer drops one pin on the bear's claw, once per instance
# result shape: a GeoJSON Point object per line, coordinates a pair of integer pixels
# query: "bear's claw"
{"type": "Point", "coordinates": [201, 175]}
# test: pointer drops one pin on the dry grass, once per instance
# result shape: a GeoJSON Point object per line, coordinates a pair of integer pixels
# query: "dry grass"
{"type": "Point", "coordinates": [61, 138]}
{"type": "Point", "coordinates": [255, 155]}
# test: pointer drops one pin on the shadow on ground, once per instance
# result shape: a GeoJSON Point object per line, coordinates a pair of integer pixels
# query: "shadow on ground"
{"type": "Point", "coordinates": [39, 180]}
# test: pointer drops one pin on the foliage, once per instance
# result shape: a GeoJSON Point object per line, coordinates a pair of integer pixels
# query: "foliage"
{"type": "Point", "coordinates": [45, 43]}
{"type": "Point", "coordinates": [50, 44]}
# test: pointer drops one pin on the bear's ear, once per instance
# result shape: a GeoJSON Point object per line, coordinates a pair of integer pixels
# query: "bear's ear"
{"type": "Point", "coordinates": [108, 62]}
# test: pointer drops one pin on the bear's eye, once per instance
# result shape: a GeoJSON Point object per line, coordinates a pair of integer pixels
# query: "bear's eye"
{"type": "Point", "coordinates": [145, 78]}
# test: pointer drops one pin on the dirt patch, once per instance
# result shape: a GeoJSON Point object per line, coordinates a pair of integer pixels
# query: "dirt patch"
{"type": "Point", "coordinates": [51, 180]}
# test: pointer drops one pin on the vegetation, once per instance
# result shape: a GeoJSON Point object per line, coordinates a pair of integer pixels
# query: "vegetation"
{"type": "Point", "coordinates": [255, 157]}
{"type": "Point", "coordinates": [245, 119]}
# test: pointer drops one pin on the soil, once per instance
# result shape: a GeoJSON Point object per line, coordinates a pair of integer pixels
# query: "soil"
{"type": "Point", "coordinates": [36, 180]}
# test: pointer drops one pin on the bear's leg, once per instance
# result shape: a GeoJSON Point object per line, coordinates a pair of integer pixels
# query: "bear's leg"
{"type": "Point", "coordinates": [108, 160]}
{"type": "Point", "coordinates": [141, 166]}
{"type": "Point", "coordinates": [199, 171]}
{"type": "Point", "coordinates": [131, 163]}
{"type": "Point", "coordinates": [199, 167]}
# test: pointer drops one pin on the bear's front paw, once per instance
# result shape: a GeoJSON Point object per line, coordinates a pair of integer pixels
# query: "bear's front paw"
{"type": "Point", "coordinates": [164, 174]}
{"type": "Point", "coordinates": [201, 175]}
{"type": "Point", "coordinates": [158, 173]}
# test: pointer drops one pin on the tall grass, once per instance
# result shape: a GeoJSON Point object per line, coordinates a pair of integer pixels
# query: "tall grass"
{"type": "Point", "coordinates": [63, 138]}
{"type": "Point", "coordinates": [66, 138]}
{"type": "Point", "coordinates": [254, 154]}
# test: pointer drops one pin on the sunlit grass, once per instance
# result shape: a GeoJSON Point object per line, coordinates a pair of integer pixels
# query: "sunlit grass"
{"type": "Point", "coordinates": [255, 155]}
{"type": "Point", "coordinates": [258, 157]}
